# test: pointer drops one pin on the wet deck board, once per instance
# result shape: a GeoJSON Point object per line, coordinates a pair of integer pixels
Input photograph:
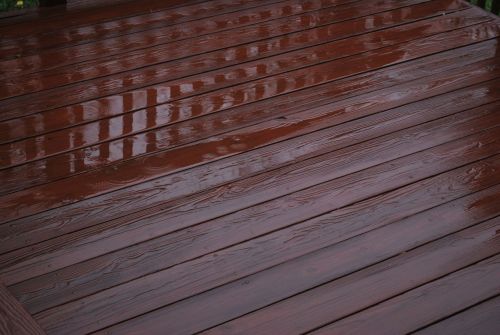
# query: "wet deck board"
{"type": "Point", "coordinates": [251, 166]}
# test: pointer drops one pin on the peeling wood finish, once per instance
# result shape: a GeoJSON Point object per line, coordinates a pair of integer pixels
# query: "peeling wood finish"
{"type": "Point", "coordinates": [250, 167]}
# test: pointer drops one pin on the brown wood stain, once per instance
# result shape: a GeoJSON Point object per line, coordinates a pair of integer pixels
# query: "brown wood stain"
{"type": "Point", "coordinates": [250, 167]}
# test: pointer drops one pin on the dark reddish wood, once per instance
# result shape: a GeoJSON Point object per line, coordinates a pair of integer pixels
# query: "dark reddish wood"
{"type": "Point", "coordinates": [172, 52]}
{"type": "Point", "coordinates": [14, 320]}
{"type": "Point", "coordinates": [196, 64]}
{"type": "Point", "coordinates": [58, 142]}
{"type": "Point", "coordinates": [10, 18]}
{"type": "Point", "coordinates": [91, 128]}
{"type": "Point", "coordinates": [81, 25]}
{"type": "Point", "coordinates": [259, 290]}
{"type": "Point", "coordinates": [175, 50]}
{"type": "Point", "coordinates": [150, 292]}
{"type": "Point", "coordinates": [435, 300]}
{"type": "Point", "coordinates": [481, 319]}
{"type": "Point", "coordinates": [136, 170]}
{"type": "Point", "coordinates": [302, 78]}
{"type": "Point", "coordinates": [32, 125]}
{"type": "Point", "coordinates": [43, 292]}
{"type": "Point", "coordinates": [184, 245]}
{"type": "Point", "coordinates": [301, 165]}
{"type": "Point", "coordinates": [342, 297]}
{"type": "Point", "coordinates": [127, 201]}
{"type": "Point", "coordinates": [157, 14]}
{"type": "Point", "coordinates": [216, 21]}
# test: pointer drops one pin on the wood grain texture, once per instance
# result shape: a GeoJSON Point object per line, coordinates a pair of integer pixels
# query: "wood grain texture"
{"type": "Point", "coordinates": [183, 245]}
{"type": "Point", "coordinates": [201, 127]}
{"type": "Point", "coordinates": [203, 63]}
{"type": "Point", "coordinates": [193, 33]}
{"type": "Point", "coordinates": [58, 142]}
{"type": "Point", "coordinates": [323, 304]}
{"type": "Point", "coordinates": [14, 320]}
{"type": "Point", "coordinates": [42, 292]}
{"type": "Point", "coordinates": [92, 17]}
{"type": "Point", "coordinates": [33, 15]}
{"type": "Point", "coordinates": [156, 54]}
{"type": "Point", "coordinates": [435, 300]}
{"type": "Point", "coordinates": [114, 205]}
{"type": "Point", "coordinates": [302, 78]}
{"type": "Point", "coordinates": [483, 319]}
{"type": "Point", "coordinates": [145, 168]}
{"type": "Point", "coordinates": [124, 19]}
{"type": "Point", "coordinates": [256, 291]}
{"type": "Point", "coordinates": [236, 74]}
{"type": "Point", "coordinates": [213, 60]}
{"type": "Point", "coordinates": [150, 292]}
{"type": "Point", "coordinates": [250, 192]}
{"type": "Point", "coordinates": [257, 167]}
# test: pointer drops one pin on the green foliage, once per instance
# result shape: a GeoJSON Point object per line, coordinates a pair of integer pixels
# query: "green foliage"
{"type": "Point", "coordinates": [489, 4]}
{"type": "Point", "coordinates": [17, 4]}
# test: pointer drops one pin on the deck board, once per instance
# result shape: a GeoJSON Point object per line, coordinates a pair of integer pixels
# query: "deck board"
{"type": "Point", "coordinates": [100, 23]}
{"type": "Point", "coordinates": [251, 167]}
{"type": "Point", "coordinates": [266, 186]}
{"type": "Point", "coordinates": [437, 299]}
{"type": "Point", "coordinates": [481, 319]}
{"type": "Point", "coordinates": [317, 35]}
{"type": "Point", "coordinates": [14, 154]}
{"type": "Point", "coordinates": [13, 317]}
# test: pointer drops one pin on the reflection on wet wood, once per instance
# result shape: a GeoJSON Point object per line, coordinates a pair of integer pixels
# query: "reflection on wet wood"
{"type": "Point", "coordinates": [158, 117]}
{"type": "Point", "coordinates": [304, 166]}
{"type": "Point", "coordinates": [213, 60]}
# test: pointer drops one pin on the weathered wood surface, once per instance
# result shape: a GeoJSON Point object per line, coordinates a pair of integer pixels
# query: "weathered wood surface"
{"type": "Point", "coordinates": [14, 320]}
{"type": "Point", "coordinates": [483, 319]}
{"type": "Point", "coordinates": [251, 166]}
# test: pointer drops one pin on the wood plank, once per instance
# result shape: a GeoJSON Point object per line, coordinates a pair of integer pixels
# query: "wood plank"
{"type": "Point", "coordinates": [31, 125]}
{"type": "Point", "coordinates": [143, 25]}
{"type": "Point", "coordinates": [151, 292]}
{"type": "Point", "coordinates": [93, 160]}
{"type": "Point", "coordinates": [14, 320]}
{"type": "Point", "coordinates": [483, 319]}
{"type": "Point", "coordinates": [353, 159]}
{"type": "Point", "coordinates": [433, 301]}
{"type": "Point", "coordinates": [259, 290]}
{"type": "Point", "coordinates": [184, 245]}
{"type": "Point", "coordinates": [159, 193]}
{"type": "Point", "coordinates": [176, 50]}
{"type": "Point", "coordinates": [81, 27]}
{"type": "Point", "coordinates": [135, 79]}
{"type": "Point", "coordinates": [172, 52]}
{"type": "Point", "coordinates": [402, 117]}
{"type": "Point", "coordinates": [58, 142]}
{"type": "Point", "coordinates": [348, 294]}
{"type": "Point", "coordinates": [46, 291]}
{"type": "Point", "coordinates": [340, 298]}
{"type": "Point", "coordinates": [11, 18]}
{"type": "Point", "coordinates": [192, 33]}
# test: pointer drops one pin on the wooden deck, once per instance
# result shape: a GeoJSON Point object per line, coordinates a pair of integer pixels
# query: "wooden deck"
{"type": "Point", "coordinates": [250, 166]}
